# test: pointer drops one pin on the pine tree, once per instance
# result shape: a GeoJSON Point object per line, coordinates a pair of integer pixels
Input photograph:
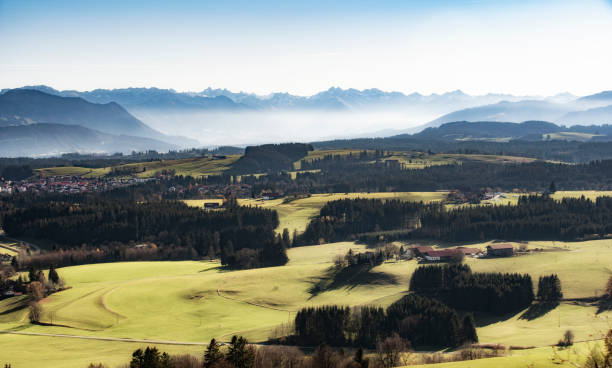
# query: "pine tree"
{"type": "Point", "coordinates": [213, 354]}
{"type": "Point", "coordinates": [240, 354]}
{"type": "Point", "coordinates": [549, 289]}
{"type": "Point", "coordinates": [286, 238]}
{"type": "Point", "coordinates": [469, 330]}
{"type": "Point", "coordinates": [53, 276]}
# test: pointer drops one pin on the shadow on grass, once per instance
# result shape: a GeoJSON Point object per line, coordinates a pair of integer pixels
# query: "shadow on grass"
{"type": "Point", "coordinates": [604, 306]}
{"type": "Point", "coordinates": [18, 303]}
{"type": "Point", "coordinates": [537, 310]}
{"type": "Point", "coordinates": [349, 278]}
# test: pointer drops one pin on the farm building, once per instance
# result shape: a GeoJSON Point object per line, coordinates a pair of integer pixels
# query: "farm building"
{"type": "Point", "coordinates": [271, 195]}
{"type": "Point", "coordinates": [469, 252]}
{"type": "Point", "coordinates": [211, 205]}
{"type": "Point", "coordinates": [420, 250]}
{"type": "Point", "coordinates": [500, 250]}
{"type": "Point", "coordinates": [444, 255]}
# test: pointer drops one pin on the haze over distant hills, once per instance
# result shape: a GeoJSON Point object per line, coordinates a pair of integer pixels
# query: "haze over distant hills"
{"type": "Point", "coordinates": [37, 123]}
{"type": "Point", "coordinates": [216, 117]}
{"type": "Point", "coordinates": [44, 139]}
{"type": "Point", "coordinates": [594, 109]}
{"type": "Point", "coordinates": [332, 99]}
{"type": "Point", "coordinates": [491, 131]}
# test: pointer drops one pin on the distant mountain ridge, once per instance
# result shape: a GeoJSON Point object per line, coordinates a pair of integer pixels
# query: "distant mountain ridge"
{"type": "Point", "coordinates": [505, 131]}
{"type": "Point", "coordinates": [593, 109]}
{"type": "Point", "coordinates": [26, 106]}
{"type": "Point", "coordinates": [333, 98]}
{"type": "Point", "coordinates": [55, 139]}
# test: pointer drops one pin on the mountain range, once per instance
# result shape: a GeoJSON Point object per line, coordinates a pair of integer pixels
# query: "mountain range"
{"type": "Point", "coordinates": [120, 119]}
{"type": "Point", "coordinates": [37, 123]}
{"type": "Point", "coordinates": [332, 99]}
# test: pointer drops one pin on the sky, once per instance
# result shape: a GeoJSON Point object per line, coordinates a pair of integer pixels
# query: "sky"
{"type": "Point", "coordinates": [538, 47]}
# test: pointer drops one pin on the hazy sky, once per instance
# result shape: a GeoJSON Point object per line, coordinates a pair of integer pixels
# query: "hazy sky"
{"type": "Point", "coordinates": [520, 47]}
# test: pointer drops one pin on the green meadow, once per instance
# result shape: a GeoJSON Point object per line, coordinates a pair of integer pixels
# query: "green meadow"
{"type": "Point", "coordinates": [190, 302]}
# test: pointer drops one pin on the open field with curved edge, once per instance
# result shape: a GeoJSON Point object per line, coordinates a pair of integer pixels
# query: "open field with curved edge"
{"type": "Point", "coordinates": [193, 301]}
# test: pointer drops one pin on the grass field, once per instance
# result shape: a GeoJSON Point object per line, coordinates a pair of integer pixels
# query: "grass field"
{"type": "Point", "coordinates": [296, 214]}
{"type": "Point", "coordinates": [570, 136]}
{"type": "Point", "coordinates": [73, 171]}
{"type": "Point", "coordinates": [196, 167]}
{"type": "Point", "coordinates": [193, 301]}
{"type": "Point", "coordinates": [546, 357]}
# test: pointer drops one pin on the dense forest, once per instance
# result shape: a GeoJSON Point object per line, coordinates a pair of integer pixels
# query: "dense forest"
{"type": "Point", "coordinates": [340, 219]}
{"type": "Point", "coordinates": [270, 158]}
{"type": "Point", "coordinates": [350, 174]}
{"type": "Point", "coordinates": [420, 320]}
{"type": "Point", "coordinates": [242, 236]}
{"type": "Point", "coordinates": [533, 218]}
{"type": "Point", "coordinates": [567, 151]}
{"type": "Point", "coordinates": [458, 287]}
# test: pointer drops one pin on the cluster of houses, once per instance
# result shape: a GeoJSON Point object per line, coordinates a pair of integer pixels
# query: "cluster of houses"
{"type": "Point", "coordinates": [212, 190]}
{"type": "Point", "coordinates": [65, 184]}
{"type": "Point", "coordinates": [428, 254]}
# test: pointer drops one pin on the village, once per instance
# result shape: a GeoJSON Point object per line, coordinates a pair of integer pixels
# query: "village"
{"type": "Point", "coordinates": [65, 184]}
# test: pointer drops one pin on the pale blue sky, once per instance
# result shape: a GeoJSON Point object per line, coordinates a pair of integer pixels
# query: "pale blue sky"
{"type": "Point", "coordinates": [521, 47]}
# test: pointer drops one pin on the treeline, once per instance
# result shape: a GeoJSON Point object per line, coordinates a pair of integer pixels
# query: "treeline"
{"type": "Point", "coordinates": [535, 217]}
{"type": "Point", "coordinates": [340, 219]}
{"type": "Point", "coordinates": [174, 227]}
{"type": "Point", "coordinates": [420, 320]}
{"type": "Point", "coordinates": [349, 174]}
{"type": "Point", "coordinates": [458, 287]}
{"type": "Point", "coordinates": [567, 151]}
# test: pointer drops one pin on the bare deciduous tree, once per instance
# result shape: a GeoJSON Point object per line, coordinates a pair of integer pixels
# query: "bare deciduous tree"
{"type": "Point", "coordinates": [35, 312]}
{"type": "Point", "coordinates": [390, 351]}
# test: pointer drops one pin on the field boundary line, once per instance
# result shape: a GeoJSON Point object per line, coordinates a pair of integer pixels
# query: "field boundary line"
{"type": "Point", "coordinates": [101, 338]}
{"type": "Point", "coordinates": [253, 304]}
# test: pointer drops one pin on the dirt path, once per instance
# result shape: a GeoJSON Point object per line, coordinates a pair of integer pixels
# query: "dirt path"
{"type": "Point", "coordinates": [120, 339]}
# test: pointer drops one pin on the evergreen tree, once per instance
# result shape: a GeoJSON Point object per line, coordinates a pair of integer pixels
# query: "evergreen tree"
{"type": "Point", "coordinates": [469, 329]}
{"type": "Point", "coordinates": [53, 276]}
{"type": "Point", "coordinates": [213, 354]}
{"type": "Point", "coordinates": [286, 238]}
{"type": "Point", "coordinates": [240, 354]}
{"type": "Point", "coordinates": [549, 289]}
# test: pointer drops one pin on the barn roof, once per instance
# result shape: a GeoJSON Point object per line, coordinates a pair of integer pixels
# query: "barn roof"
{"type": "Point", "coordinates": [501, 246]}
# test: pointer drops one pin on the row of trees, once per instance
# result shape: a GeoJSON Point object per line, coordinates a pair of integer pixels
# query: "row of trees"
{"type": "Point", "coordinates": [420, 320]}
{"type": "Point", "coordinates": [534, 217]}
{"type": "Point", "coordinates": [457, 286]}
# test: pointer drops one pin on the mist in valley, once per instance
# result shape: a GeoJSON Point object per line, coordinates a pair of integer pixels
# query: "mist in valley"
{"type": "Point", "coordinates": [258, 127]}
